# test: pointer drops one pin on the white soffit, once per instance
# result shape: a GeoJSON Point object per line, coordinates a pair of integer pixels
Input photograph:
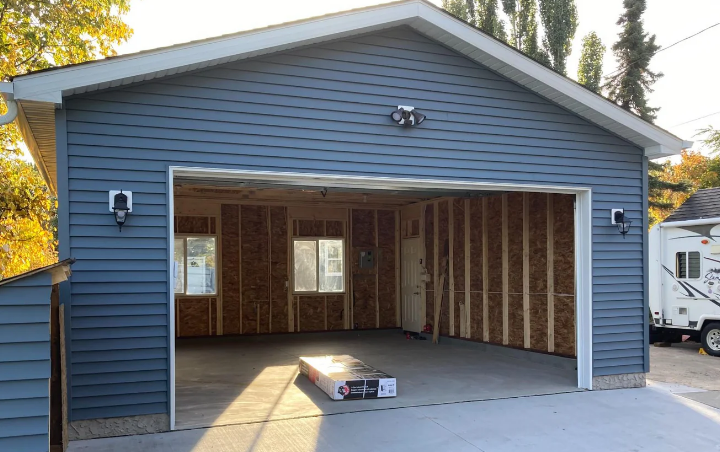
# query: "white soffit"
{"type": "Point", "coordinates": [52, 85]}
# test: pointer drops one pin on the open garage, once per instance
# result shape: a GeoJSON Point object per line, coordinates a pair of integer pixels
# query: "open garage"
{"type": "Point", "coordinates": [267, 273]}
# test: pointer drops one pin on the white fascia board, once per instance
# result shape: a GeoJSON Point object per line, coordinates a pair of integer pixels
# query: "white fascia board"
{"type": "Point", "coordinates": [548, 77]}
{"type": "Point", "coordinates": [683, 223]}
{"type": "Point", "coordinates": [49, 86]}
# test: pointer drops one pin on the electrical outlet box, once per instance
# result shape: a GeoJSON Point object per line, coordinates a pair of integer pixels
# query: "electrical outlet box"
{"type": "Point", "coordinates": [367, 259]}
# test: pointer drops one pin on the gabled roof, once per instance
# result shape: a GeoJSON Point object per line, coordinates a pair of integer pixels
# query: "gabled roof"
{"type": "Point", "coordinates": [60, 272]}
{"type": "Point", "coordinates": [703, 203]}
{"type": "Point", "coordinates": [38, 93]}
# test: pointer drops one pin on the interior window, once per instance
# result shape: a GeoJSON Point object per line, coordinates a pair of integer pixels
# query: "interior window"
{"type": "Point", "coordinates": [195, 265]}
{"type": "Point", "coordinates": [687, 265]}
{"type": "Point", "coordinates": [318, 265]}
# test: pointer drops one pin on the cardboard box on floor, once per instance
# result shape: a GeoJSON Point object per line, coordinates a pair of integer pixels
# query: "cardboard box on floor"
{"type": "Point", "coordinates": [343, 377]}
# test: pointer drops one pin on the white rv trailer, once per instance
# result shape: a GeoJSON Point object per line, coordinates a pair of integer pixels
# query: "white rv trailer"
{"type": "Point", "coordinates": [684, 286]}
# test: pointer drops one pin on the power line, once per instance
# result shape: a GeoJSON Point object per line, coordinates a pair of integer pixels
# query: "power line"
{"type": "Point", "coordinates": [696, 119]}
{"type": "Point", "coordinates": [662, 49]}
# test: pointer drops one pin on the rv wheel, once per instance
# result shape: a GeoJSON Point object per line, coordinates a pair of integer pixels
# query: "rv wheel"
{"type": "Point", "coordinates": [710, 339]}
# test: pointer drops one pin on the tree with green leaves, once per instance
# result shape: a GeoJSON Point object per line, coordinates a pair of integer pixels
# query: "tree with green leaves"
{"type": "Point", "coordinates": [35, 35]}
{"type": "Point", "coordinates": [634, 49]}
{"type": "Point", "coordinates": [661, 190]}
{"type": "Point", "coordinates": [460, 9]}
{"type": "Point", "coordinates": [591, 62]}
{"type": "Point", "coordinates": [711, 138]}
{"type": "Point", "coordinates": [488, 18]}
{"type": "Point", "coordinates": [560, 21]}
{"type": "Point", "coordinates": [523, 25]}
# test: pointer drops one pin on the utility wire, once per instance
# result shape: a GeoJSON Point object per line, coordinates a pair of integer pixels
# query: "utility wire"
{"type": "Point", "coordinates": [696, 119]}
{"type": "Point", "coordinates": [662, 49]}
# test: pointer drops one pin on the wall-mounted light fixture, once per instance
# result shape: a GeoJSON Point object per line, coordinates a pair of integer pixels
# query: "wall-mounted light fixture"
{"type": "Point", "coordinates": [120, 205]}
{"type": "Point", "coordinates": [407, 116]}
{"type": "Point", "coordinates": [618, 219]}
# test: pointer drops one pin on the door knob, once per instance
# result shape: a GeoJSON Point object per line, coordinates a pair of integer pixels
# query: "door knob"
{"type": "Point", "coordinates": [416, 293]}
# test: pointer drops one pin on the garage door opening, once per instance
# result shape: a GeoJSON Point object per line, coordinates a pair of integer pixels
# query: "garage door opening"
{"type": "Point", "coordinates": [265, 271]}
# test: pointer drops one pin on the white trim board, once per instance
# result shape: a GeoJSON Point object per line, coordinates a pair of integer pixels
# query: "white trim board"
{"type": "Point", "coordinates": [52, 85]}
{"type": "Point", "coordinates": [583, 239]}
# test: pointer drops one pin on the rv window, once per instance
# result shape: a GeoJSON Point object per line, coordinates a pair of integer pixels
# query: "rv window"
{"type": "Point", "coordinates": [687, 265]}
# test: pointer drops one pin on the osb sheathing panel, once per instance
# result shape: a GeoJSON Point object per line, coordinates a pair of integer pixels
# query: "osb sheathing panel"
{"type": "Point", "coordinates": [538, 247]}
{"type": "Point", "coordinates": [494, 235]}
{"type": "Point", "coordinates": [515, 320]}
{"type": "Point", "coordinates": [296, 316]}
{"type": "Point", "coordinates": [312, 313]}
{"type": "Point", "coordinates": [538, 322]}
{"type": "Point", "coordinates": [459, 304]}
{"type": "Point", "coordinates": [565, 325]}
{"type": "Point", "coordinates": [564, 232]}
{"type": "Point", "coordinates": [278, 269]}
{"type": "Point", "coordinates": [443, 234]}
{"type": "Point", "coordinates": [335, 306]}
{"type": "Point", "coordinates": [192, 225]}
{"type": "Point", "coordinates": [387, 283]}
{"type": "Point", "coordinates": [334, 228]}
{"type": "Point", "coordinates": [254, 267]}
{"type": "Point", "coordinates": [476, 316]}
{"type": "Point", "coordinates": [363, 228]}
{"type": "Point", "coordinates": [213, 316]}
{"type": "Point", "coordinates": [311, 228]}
{"type": "Point", "coordinates": [515, 243]}
{"type": "Point", "coordinates": [213, 225]}
{"type": "Point", "coordinates": [495, 313]}
{"type": "Point", "coordinates": [194, 317]}
{"type": "Point", "coordinates": [459, 244]}
{"type": "Point", "coordinates": [363, 301]}
{"type": "Point", "coordinates": [364, 295]}
{"type": "Point", "coordinates": [476, 250]}
{"type": "Point", "coordinates": [230, 262]}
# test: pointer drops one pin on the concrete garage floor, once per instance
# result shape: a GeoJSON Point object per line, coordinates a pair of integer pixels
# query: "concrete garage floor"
{"type": "Point", "coordinates": [226, 381]}
{"type": "Point", "coordinates": [648, 419]}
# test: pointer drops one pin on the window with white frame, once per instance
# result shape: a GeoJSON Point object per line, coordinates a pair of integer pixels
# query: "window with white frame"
{"type": "Point", "coordinates": [194, 266]}
{"type": "Point", "coordinates": [687, 265]}
{"type": "Point", "coordinates": [318, 265]}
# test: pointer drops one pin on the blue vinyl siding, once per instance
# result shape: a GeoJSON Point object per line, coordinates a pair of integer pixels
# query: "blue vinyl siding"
{"type": "Point", "coordinates": [25, 364]}
{"type": "Point", "coordinates": [321, 109]}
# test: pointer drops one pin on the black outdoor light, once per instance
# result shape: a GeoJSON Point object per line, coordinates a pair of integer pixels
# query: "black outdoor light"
{"type": "Point", "coordinates": [622, 223]}
{"type": "Point", "coordinates": [407, 116]}
{"type": "Point", "coordinates": [120, 208]}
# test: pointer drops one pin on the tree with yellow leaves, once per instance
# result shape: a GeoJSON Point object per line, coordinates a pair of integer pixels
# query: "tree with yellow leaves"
{"type": "Point", "coordinates": [36, 35]}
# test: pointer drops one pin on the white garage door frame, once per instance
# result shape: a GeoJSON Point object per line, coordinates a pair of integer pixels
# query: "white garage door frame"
{"type": "Point", "coordinates": [583, 237]}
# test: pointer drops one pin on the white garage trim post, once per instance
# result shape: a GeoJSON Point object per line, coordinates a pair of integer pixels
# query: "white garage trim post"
{"type": "Point", "coordinates": [583, 238]}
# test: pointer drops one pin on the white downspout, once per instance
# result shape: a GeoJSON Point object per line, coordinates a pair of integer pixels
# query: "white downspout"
{"type": "Point", "coordinates": [6, 89]}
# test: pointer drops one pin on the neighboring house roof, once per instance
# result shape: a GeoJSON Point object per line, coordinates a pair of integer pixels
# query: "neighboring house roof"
{"type": "Point", "coordinates": [38, 93]}
{"type": "Point", "coordinates": [703, 203]}
{"type": "Point", "coordinates": [60, 272]}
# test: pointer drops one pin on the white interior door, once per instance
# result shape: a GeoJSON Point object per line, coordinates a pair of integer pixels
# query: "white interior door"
{"type": "Point", "coordinates": [411, 285]}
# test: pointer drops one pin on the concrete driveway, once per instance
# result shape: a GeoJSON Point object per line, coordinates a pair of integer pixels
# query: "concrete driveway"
{"type": "Point", "coordinates": [653, 419]}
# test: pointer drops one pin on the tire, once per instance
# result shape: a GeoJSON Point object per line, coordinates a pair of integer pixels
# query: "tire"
{"type": "Point", "coordinates": [710, 339]}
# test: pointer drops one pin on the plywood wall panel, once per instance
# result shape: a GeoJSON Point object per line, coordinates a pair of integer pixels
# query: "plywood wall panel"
{"type": "Point", "coordinates": [254, 268]}
{"type": "Point", "coordinates": [363, 228]}
{"type": "Point", "coordinates": [459, 244]}
{"type": "Point", "coordinates": [443, 251]}
{"type": "Point", "coordinates": [213, 316]}
{"type": "Point", "coordinates": [476, 251]}
{"type": "Point", "coordinates": [538, 244]}
{"type": "Point", "coordinates": [278, 269]}
{"type": "Point", "coordinates": [387, 282]}
{"type": "Point", "coordinates": [538, 322]}
{"type": "Point", "coordinates": [515, 243]}
{"type": "Point", "coordinates": [312, 313]}
{"type": "Point", "coordinates": [363, 301]}
{"type": "Point", "coordinates": [213, 225]}
{"type": "Point", "coordinates": [564, 234]}
{"type": "Point", "coordinates": [335, 306]}
{"type": "Point", "coordinates": [311, 228]}
{"type": "Point", "coordinates": [335, 228]}
{"type": "Point", "coordinates": [494, 235]}
{"type": "Point", "coordinates": [495, 313]}
{"type": "Point", "coordinates": [230, 267]}
{"type": "Point", "coordinates": [193, 317]}
{"type": "Point", "coordinates": [565, 325]}
{"type": "Point", "coordinates": [515, 321]}
{"type": "Point", "coordinates": [429, 264]}
{"type": "Point", "coordinates": [192, 225]}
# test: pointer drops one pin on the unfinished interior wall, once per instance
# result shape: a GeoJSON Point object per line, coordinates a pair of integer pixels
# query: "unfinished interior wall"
{"type": "Point", "coordinates": [254, 281]}
{"type": "Point", "coordinates": [511, 275]}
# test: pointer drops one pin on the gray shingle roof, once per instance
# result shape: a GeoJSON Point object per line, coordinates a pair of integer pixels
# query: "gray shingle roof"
{"type": "Point", "coordinates": [704, 203]}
